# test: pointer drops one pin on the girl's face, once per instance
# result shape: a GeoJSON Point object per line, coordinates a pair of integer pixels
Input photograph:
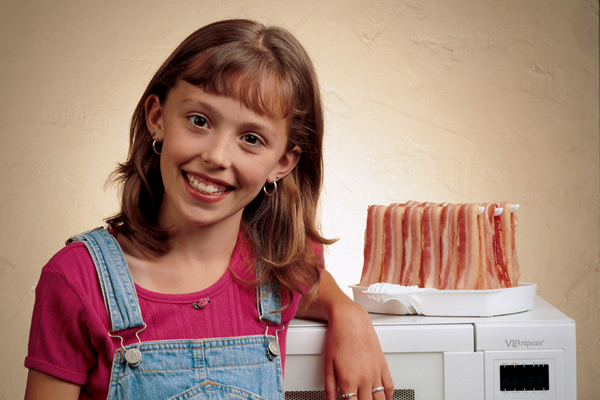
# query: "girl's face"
{"type": "Point", "coordinates": [216, 155]}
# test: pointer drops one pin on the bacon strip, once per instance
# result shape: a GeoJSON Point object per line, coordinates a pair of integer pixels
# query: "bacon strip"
{"type": "Point", "coordinates": [444, 246]}
{"type": "Point", "coordinates": [393, 248]}
{"type": "Point", "coordinates": [448, 244]}
{"type": "Point", "coordinates": [516, 268]}
{"type": "Point", "coordinates": [373, 250]}
{"type": "Point", "coordinates": [499, 248]}
{"type": "Point", "coordinates": [431, 261]}
{"type": "Point", "coordinates": [468, 248]}
{"type": "Point", "coordinates": [388, 244]}
{"type": "Point", "coordinates": [489, 277]}
{"type": "Point", "coordinates": [507, 222]}
{"type": "Point", "coordinates": [411, 273]}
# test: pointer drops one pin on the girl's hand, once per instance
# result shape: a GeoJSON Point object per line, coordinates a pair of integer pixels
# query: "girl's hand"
{"type": "Point", "coordinates": [354, 361]}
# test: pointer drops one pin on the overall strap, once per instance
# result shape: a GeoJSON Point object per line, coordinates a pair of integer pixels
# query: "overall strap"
{"type": "Point", "coordinates": [269, 302]}
{"type": "Point", "coordinates": [118, 290]}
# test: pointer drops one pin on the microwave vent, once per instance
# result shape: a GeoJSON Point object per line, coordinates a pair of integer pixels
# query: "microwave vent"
{"type": "Point", "coordinates": [399, 394]}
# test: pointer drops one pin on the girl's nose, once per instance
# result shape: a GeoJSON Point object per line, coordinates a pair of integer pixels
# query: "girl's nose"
{"type": "Point", "coordinates": [217, 153]}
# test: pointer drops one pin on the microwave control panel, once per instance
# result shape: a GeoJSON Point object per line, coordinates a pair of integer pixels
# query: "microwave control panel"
{"type": "Point", "coordinates": [515, 377]}
{"type": "Point", "coordinates": [524, 375]}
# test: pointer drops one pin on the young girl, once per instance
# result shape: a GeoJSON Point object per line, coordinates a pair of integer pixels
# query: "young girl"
{"type": "Point", "coordinates": [189, 292]}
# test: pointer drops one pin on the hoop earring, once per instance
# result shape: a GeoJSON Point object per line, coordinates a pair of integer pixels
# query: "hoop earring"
{"type": "Point", "coordinates": [154, 147]}
{"type": "Point", "coordinates": [271, 193]}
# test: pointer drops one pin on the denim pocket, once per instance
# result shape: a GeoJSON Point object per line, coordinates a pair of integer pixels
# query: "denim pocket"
{"type": "Point", "coordinates": [209, 390]}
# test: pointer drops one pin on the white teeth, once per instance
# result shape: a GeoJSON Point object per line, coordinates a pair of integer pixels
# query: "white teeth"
{"type": "Point", "coordinates": [203, 187]}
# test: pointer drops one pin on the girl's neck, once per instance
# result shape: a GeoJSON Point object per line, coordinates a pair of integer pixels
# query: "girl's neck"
{"type": "Point", "coordinates": [197, 258]}
{"type": "Point", "coordinates": [203, 244]}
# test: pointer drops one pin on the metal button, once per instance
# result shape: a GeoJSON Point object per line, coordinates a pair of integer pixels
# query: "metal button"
{"type": "Point", "coordinates": [272, 350]}
{"type": "Point", "coordinates": [133, 357]}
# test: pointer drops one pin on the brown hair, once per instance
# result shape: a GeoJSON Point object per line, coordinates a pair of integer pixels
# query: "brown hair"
{"type": "Point", "coordinates": [240, 59]}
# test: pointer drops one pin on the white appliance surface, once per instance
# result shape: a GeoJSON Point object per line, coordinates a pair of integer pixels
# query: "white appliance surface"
{"type": "Point", "coordinates": [385, 298]}
{"type": "Point", "coordinates": [527, 355]}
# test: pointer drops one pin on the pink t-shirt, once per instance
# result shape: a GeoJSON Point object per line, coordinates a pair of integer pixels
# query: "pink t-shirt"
{"type": "Point", "coordinates": [69, 330]}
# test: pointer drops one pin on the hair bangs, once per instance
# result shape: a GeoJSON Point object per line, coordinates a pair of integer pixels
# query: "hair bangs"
{"type": "Point", "coordinates": [249, 74]}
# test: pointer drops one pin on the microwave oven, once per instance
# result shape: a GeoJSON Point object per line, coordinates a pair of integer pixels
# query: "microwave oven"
{"type": "Point", "coordinates": [522, 356]}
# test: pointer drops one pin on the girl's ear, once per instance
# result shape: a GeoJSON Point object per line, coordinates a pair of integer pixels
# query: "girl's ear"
{"type": "Point", "coordinates": [154, 120]}
{"type": "Point", "coordinates": [287, 163]}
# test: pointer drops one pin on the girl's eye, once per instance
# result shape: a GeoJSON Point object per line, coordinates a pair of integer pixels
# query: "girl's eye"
{"type": "Point", "coordinates": [199, 121]}
{"type": "Point", "coordinates": [252, 139]}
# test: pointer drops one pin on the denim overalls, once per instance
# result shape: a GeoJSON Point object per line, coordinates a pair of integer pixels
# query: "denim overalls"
{"type": "Point", "coordinates": [244, 367]}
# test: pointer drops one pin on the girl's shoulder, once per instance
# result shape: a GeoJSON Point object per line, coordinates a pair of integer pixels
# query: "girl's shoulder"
{"type": "Point", "coordinates": [70, 282]}
{"type": "Point", "coordinates": [71, 267]}
{"type": "Point", "coordinates": [68, 315]}
{"type": "Point", "coordinates": [71, 258]}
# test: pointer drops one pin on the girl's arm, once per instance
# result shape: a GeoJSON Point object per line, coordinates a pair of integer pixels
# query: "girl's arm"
{"type": "Point", "coordinates": [354, 361]}
{"type": "Point", "coordinates": [41, 386]}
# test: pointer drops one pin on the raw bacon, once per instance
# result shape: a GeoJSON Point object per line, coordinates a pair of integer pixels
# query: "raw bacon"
{"type": "Point", "coordinates": [444, 246]}
{"type": "Point", "coordinates": [373, 246]}
{"type": "Point", "coordinates": [431, 259]}
{"type": "Point", "coordinates": [388, 244]}
{"type": "Point", "coordinates": [449, 246]}
{"type": "Point", "coordinates": [467, 269]}
{"type": "Point", "coordinates": [516, 268]}
{"type": "Point", "coordinates": [500, 236]}
{"type": "Point", "coordinates": [489, 276]}
{"type": "Point", "coordinates": [393, 244]}
{"type": "Point", "coordinates": [506, 227]}
{"type": "Point", "coordinates": [411, 272]}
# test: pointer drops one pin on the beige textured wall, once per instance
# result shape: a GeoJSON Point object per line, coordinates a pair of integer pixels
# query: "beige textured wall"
{"type": "Point", "coordinates": [435, 100]}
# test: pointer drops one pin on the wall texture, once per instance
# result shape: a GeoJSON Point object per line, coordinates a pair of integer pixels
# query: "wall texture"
{"type": "Point", "coordinates": [456, 101]}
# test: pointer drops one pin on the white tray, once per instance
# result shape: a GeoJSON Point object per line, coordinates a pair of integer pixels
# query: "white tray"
{"type": "Point", "coordinates": [385, 298]}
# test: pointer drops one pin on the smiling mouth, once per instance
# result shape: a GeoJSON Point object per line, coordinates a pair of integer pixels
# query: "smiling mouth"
{"type": "Point", "coordinates": [205, 188]}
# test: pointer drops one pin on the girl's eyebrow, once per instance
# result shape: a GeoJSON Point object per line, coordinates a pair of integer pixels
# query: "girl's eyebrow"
{"type": "Point", "coordinates": [197, 102]}
{"type": "Point", "coordinates": [202, 105]}
{"type": "Point", "coordinates": [248, 125]}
